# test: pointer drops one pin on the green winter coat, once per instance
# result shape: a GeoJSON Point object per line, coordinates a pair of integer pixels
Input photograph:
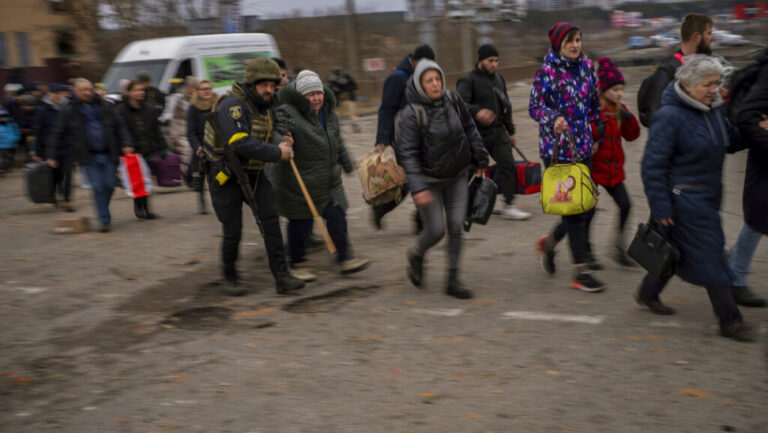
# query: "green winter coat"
{"type": "Point", "coordinates": [319, 154]}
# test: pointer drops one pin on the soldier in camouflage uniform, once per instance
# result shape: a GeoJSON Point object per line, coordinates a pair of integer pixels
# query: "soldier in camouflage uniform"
{"type": "Point", "coordinates": [245, 117]}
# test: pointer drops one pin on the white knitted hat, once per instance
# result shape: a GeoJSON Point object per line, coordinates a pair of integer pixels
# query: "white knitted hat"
{"type": "Point", "coordinates": [308, 81]}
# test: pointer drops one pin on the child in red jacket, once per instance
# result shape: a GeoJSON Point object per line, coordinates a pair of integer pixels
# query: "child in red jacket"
{"type": "Point", "coordinates": [608, 158]}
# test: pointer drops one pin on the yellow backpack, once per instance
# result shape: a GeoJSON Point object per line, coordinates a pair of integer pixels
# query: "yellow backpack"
{"type": "Point", "coordinates": [567, 188]}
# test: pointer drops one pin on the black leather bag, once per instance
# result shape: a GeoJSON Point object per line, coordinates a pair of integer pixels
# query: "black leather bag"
{"type": "Point", "coordinates": [654, 251]}
{"type": "Point", "coordinates": [482, 199]}
{"type": "Point", "coordinates": [40, 188]}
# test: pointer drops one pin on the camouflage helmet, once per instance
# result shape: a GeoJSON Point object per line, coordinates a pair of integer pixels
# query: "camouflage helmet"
{"type": "Point", "coordinates": [261, 69]}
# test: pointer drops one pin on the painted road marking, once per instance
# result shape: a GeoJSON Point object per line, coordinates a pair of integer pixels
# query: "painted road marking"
{"type": "Point", "coordinates": [447, 312]}
{"type": "Point", "coordinates": [531, 315]}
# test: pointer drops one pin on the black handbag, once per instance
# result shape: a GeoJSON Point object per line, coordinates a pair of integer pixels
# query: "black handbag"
{"type": "Point", "coordinates": [482, 199]}
{"type": "Point", "coordinates": [654, 251]}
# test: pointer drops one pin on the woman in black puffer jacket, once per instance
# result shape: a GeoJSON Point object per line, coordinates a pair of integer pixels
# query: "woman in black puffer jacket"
{"type": "Point", "coordinates": [436, 155]}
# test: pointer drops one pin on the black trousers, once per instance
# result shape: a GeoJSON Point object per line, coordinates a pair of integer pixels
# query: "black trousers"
{"type": "Point", "coordinates": [576, 227]}
{"type": "Point", "coordinates": [719, 293]}
{"type": "Point", "coordinates": [227, 201]}
{"type": "Point", "coordinates": [336, 222]}
{"type": "Point", "coordinates": [500, 147]}
{"type": "Point", "coordinates": [62, 179]}
{"type": "Point", "coordinates": [621, 197]}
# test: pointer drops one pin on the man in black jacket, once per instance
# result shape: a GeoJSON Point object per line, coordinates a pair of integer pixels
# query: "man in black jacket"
{"type": "Point", "coordinates": [485, 93]}
{"type": "Point", "coordinates": [392, 100]}
{"type": "Point", "coordinates": [696, 36]}
{"type": "Point", "coordinates": [246, 120]}
{"type": "Point", "coordinates": [752, 120]}
{"type": "Point", "coordinates": [46, 115]}
{"type": "Point", "coordinates": [88, 128]}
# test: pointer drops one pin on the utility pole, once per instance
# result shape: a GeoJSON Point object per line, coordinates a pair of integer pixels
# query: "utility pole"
{"type": "Point", "coordinates": [351, 42]}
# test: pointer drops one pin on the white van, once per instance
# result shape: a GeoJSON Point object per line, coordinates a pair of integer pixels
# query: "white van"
{"type": "Point", "coordinates": [219, 58]}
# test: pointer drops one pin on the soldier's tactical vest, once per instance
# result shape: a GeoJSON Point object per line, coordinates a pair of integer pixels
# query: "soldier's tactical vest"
{"type": "Point", "coordinates": [261, 128]}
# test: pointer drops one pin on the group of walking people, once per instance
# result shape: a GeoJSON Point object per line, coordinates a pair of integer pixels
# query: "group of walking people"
{"type": "Point", "coordinates": [290, 155]}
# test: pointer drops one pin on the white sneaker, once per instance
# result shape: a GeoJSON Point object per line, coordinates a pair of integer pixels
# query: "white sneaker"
{"type": "Point", "coordinates": [513, 213]}
{"type": "Point", "coordinates": [353, 265]}
{"type": "Point", "coordinates": [302, 274]}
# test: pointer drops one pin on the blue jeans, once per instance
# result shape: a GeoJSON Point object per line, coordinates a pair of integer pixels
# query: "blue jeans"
{"type": "Point", "coordinates": [741, 257]}
{"type": "Point", "coordinates": [101, 175]}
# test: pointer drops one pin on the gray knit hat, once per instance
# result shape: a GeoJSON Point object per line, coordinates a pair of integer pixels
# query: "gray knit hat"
{"type": "Point", "coordinates": [308, 81]}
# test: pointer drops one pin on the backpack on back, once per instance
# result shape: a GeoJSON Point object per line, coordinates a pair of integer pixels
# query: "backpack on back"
{"type": "Point", "coordinates": [646, 99]}
{"type": "Point", "coordinates": [741, 83]}
{"type": "Point", "coordinates": [421, 115]}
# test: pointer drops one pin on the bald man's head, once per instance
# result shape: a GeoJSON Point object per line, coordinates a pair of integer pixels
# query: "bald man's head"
{"type": "Point", "coordinates": [83, 89]}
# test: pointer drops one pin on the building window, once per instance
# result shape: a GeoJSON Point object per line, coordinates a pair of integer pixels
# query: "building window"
{"type": "Point", "coordinates": [22, 46]}
{"type": "Point", "coordinates": [3, 53]}
{"type": "Point", "coordinates": [59, 6]}
{"type": "Point", "coordinates": [65, 43]}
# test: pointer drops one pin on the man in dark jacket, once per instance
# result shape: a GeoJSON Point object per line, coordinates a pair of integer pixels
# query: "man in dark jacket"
{"type": "Point", "coordinates": [696, 37]}
{"type": "Point", "coordinates": [392, 100]}
{"type": "Point", "coordinates": [153, 96]}
{"type": "Point", "coordinates": [88, 129]}
{"type": "Point", "coordinates": [344, 87]}
{"type": "Point", "coordinates": [752, 121]}
{"type": "Point", "coordinates": [46, 115]}
{"type": "Point", "coordinates": [246, 120]}
{"type": "Point", "coordinates": [485, 93]}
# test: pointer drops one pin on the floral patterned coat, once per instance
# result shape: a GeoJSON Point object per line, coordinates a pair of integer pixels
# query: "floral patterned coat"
{"type": "Point", "coordinates": [565, 88]}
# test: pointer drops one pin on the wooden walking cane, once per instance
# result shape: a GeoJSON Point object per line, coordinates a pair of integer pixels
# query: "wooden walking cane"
{"type": "Point", "coordinates": [313, 209]}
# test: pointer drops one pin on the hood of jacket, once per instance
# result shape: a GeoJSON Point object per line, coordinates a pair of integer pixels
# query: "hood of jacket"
{"type": "Point", "coordinates": [674, 95]}
{"type": "Point", "coordinates": [414, 84]}
{"type": "Point", "coordinates": [406, 65]}
{"type": "Point", "coordinates": [202, 105]}
{"type": "Point", "coordinates": [289, 95]}
{"type": "Point", "coordinates": [558, 61]}
{"type": "Point", "coordinates": [47, 101]}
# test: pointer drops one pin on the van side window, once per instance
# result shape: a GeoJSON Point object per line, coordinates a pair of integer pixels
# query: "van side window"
{"type": "Point", "coordinates": [185, 68]}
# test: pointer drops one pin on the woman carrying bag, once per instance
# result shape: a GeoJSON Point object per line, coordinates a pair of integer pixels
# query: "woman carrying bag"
{"type": "Point", "coordinates": [564, 98]}
{"type": "Point", "coordinates": [682, 172]}
{"type": "Point", "coordinates": [436, 153]}
{"type": "Point", "coordinates": [144, 129]}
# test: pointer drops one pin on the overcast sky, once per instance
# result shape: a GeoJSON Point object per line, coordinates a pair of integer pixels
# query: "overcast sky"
{"type": "Point", "coordinates": [279, 7]}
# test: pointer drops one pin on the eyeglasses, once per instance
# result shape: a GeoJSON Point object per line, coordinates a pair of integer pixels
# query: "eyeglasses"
{"type": "Point", "coordinates": [203, 89]}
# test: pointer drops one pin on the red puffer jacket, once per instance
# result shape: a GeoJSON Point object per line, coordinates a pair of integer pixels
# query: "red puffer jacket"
{"type": "Point", "coordinates": [608, 161]}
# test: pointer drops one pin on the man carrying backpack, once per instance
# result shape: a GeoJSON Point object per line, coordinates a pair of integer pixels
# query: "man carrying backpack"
{"type": "Point", "coordinates": [392, 100]}
{"type": "Point", "coordinates": [485, 94]}
{"type": "Point", "coordinates": [696, 36]}
{"type": "Point", "coordinates": [750, 113]}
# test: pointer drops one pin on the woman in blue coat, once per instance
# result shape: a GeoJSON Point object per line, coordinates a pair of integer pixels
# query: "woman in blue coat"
{"type": "Point", "coordinates": [682, 174]}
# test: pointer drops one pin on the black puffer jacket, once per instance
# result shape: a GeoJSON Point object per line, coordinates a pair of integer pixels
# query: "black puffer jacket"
{"type": "Point", "coordinates": [756, 138]}
{"type": "Point", "coordinates": [447, 145]}
{"type": "Point", "coordinates": [144, 128]}
{"type": "Point", "coordinates": [480, 90]}
{"type": "Point", "coordinates": [649, 95]}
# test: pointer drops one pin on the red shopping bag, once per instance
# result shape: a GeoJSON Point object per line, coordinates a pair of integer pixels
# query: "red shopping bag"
{"type": "Point", "coordinates": [135, 175]}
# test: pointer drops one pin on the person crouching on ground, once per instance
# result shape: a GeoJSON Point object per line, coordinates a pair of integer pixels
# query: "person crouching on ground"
{"type": "Point", "coordinates": [436, 157]}
{"type": "Point", "coordinates": [308, 114]}
{"type": "Point", "coordinates": [682, 172]}
{"type": "Point", "coordinates": [616, 121]}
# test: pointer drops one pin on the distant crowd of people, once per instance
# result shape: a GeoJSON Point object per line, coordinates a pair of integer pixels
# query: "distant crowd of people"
{"type": "Point", "coordinates": [289, 154]}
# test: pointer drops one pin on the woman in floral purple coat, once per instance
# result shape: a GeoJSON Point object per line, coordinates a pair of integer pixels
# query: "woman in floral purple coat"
{"type": "Point", "coordinates": [564, 96]}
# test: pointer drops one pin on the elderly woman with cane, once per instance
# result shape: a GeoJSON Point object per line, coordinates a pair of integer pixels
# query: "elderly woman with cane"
{"type": "Point", "coordinates": [682, 172]}
{"type": "Point", "coordinates": [308, 114]}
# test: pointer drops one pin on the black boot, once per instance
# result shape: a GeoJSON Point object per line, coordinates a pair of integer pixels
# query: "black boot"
{"type": "Point", "coordinates": [285, 283]}
{"type": "Point", "coordinates": [138, 208]}
{"type": "Point", "coordinates": [455, 288]}
{"type": "Point", "coordinates": [415, 267]}
{"type": "Point", "coordinates": [145, 204]}
{"type": "Point", "coordinates": [746, 297]}
{"type": "Point", "coordinates": [232, 286]}
{"type": "Point", "coordinates": [739, 330]}
{"type": "Point", "coordinates": [655, 305]}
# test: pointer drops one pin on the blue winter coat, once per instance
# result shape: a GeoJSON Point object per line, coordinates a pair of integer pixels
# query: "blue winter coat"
{"type": "Point", "coordinates": [682, 174]}
{"type": "Point", "coordinates": [392, 100]}
{"type": "Point", "coordinates": [9, 131]}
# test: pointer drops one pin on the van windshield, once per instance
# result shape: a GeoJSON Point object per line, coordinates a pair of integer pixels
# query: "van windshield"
{"type": "Point", "coordinates": [131, 70]}
{"type": "Point", "coordinates": [223, 70]}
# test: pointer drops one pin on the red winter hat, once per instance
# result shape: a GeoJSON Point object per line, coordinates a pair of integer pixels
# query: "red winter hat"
{"type": "Point", "coordinates": [557, 33]}
{"type": "Point", "coordinates": [608, 75]}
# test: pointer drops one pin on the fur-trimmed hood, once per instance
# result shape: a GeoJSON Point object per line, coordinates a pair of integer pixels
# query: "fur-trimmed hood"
{"type": "Point", "coordinates": [289, 95]}
{"type": "Point", "coordinates": [203, 105]}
